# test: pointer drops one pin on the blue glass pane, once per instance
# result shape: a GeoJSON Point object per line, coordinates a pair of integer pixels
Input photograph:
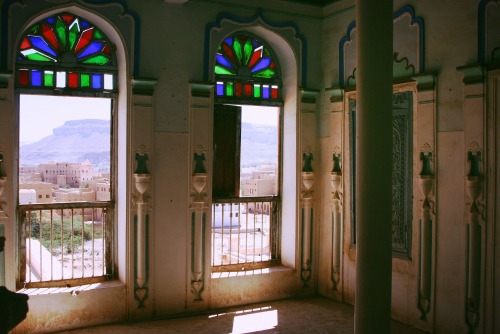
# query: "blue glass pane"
{"type": "Point", "coordinates": [36, 78]}
{"type": "Point", "coordinates": [229, 40]}
{"type": "Point", "coordinates": [93, 47]}
{"type": "Point", "coordinates": [223, 61]}
{"type": "Point", "coordinates": [97, 81]}
{"type": "Point", "coordinates": [265, 92]}
{"type": "Point", "coordinates": [220, 89]}
{"type": "Point", "coordinates": [262, 64]}
{"type": "Point", "coordinates": [84, 24]}
{"type": "Point", "coordinates": [50, 20]}
{"type": "Point", "coordinates": [40, 44]}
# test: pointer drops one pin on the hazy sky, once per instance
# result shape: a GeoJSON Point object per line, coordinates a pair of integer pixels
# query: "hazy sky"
{"type": "Point", "coordinates": [39, 114]}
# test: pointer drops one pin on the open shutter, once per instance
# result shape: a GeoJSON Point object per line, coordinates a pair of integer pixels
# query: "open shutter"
{"type": "Point", "coordinates": [226, 162]}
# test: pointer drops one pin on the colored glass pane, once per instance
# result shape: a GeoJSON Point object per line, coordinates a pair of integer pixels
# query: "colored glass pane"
{"type": "Point", "coordinates": [23, 77]}
{"type": "Point", "coordinates": [248, 47]}
{"type": "Point", "coordinates": [274, 92]}
{"type": "Point", "coordinates": [263, 63]}
{"type": "Point", "coordinates": [256, 90]}
{"type": "Point", "coordinates": [108, 81]}
{"type": "Point", "coordinates": [67, 18]}
{"type": "Point", "coordinates": [228, 52]}
{"type": "Point", "coordinates": [265, 91]}
{"type": "Point", "coordinates": [91, 49]}
{"type": "Point", "coordinates": [223, 61]}
{"type": "Point", "coordinates": [61, 32]}
{"type": "Point", "coordinates": [49, 35]}
{"type": "Point", "coordinates": [36, 78]}
{"type": "Point", "coordinates": [97, 60]}
{"type": "Point", "coordinates": [98, 35]}
{"type": "Point", "coordinates": [248, 89]}
{"type": "Point", "coordinates": [50, 20]}
{"type": "Point", "coordinates": [219, 88]}
{"type": "Point", "coordinates": [41, 45]}
{"type": "Point", "coordinates": [256, 55]}
{"type": "Point", "coordinates": [32, 54]}
{"type": "Point", "coordinates": [74, 31]}
{"type": "Point", "coordinates": [48, 78]}
{"type": "Point", "coordinates": [84, 24]}
{"type": "Point", "coordinates": [238, 50]}
{"type": "Point", "coordinates": [223, 70]}
{"type": "Point", "coordinates": [25, 44]}
{"type": "Point", "coordinates": [97, 81]}
{"type": "Point", "coordinates": [85, 80]}
{"type": "Point", "coordinates": [85, 38]}
{"type": "Point", "coordinates": [73, 80]}
{"type": "Point", "coordinates": [61, 80]}
{"type": "Point", "coordinates": [266, 73]}
{"type": "Point", "coordinates": [229, 89]}
{"type": "Point", "coordinates": [237, 89]}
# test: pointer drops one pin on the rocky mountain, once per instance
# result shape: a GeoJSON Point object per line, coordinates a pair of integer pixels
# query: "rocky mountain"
{"type": "Point", "coordinates": [75, 141]}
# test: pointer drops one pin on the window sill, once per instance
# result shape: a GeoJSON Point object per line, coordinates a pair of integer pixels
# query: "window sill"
{"type": "Point", "coordinates": [74, 290]}
{"type": "Point", "coordinates": [262, 271]}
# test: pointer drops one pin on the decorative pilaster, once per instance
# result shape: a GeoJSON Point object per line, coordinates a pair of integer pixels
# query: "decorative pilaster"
{"type": "Point", "coordinates": [474, 186]}
{"type": "Point", "coordinates": [199, 207]}
{"type": "Point", "coordinates": [337, 202]}
{"type": "Point", "coordinates": [426, 182]}
{"type": "Point", "coordinates": [3, 182]}
{"type": "Point", "coordinates": [308, 177]}
{"type": "Point", "coordinates": [142, 180]}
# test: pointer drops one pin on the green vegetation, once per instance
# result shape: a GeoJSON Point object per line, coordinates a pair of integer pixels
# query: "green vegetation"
{"type": "Point", "coordinates": [72, 235]}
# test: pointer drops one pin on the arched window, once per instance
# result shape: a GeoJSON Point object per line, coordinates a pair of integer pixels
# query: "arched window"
{"type": "Point", "coordinates": [66, 81]}
{"type": "Point", "coordinates": [247, 70]}
{"type": "Point", "coordinates": [246, 164]}
{"type": "Point", "coordinates": [66, 52]}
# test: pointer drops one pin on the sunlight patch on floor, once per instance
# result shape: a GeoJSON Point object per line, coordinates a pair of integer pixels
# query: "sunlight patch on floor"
{"type": "Point", "coordinates": [254, 322]}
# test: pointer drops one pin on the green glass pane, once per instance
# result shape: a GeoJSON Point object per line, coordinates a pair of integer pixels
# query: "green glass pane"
{"type": "Point", "coordinates": [97, 60]}
{"type": "Point", "coordinates": [238, 50]}
{"type": "Point", "coordinates": [38, 57]}
{"type": "Point", "coordinates": [73, 35]}
{"type": "Point", "coordinates": [35, 30]}
{"type": "Point", "coordinates": [98, 34]}
{"type": "Point", "coordinates": [85, 80]}
{"type": "Point", "coordinates": [248, 51]}
{"type": "Point", "coordinates": [61, 32]}
{"type": "Point", "coordinates": [256, 90]}
{"type": "Point", "coordinates": [221, 70]}
{"type": "Point", "coordinates": [48, 79]}
{"type": "Point", "coordinates": [229, 89]}
{"type": "Point", "coordinates": [268, 73]}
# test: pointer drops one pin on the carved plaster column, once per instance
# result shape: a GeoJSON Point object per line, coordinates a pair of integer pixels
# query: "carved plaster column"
{"type": "Point", "coordinates": [199, 207]}
{"type": "Point", "coordinates": [308, 177]}
{"type": "Point", "coordinates": [337, 202]}
{"type": "Point", "coordinates": [142, 180]}
{"type": "Point", "coordinates": [426, 182]}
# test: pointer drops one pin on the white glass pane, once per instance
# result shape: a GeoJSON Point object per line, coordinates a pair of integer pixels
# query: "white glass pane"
{"type": "Point", "coordinates": [108, 81]}
{"type": "Point", "coordinates": [61, 80]}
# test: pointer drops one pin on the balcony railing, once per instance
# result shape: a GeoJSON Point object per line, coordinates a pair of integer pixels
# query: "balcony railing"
{"type": "Point", "coordinates": [245, 233]}
{"type": "Point", "coordinates": [65, 243]}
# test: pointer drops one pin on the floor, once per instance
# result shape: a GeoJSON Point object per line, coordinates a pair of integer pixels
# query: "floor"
{"type": "Point", "coordinates": [299, 315]}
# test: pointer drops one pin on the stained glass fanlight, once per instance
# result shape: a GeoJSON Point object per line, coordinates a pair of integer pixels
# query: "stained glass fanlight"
{"type": "Point", "coordinates": [65, 51]}
{"type": "Point", "coordinates": [246, 68]}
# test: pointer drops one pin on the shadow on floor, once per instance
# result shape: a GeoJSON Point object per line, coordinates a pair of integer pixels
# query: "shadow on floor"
{"type": "Point", "coordinates": [298, 315]}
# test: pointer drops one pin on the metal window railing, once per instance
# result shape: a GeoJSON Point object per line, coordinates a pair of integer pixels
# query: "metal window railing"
{"type": "Point", "coordinates": [65, 243]}
{"type": "Point", "coordinates": [245, 233]}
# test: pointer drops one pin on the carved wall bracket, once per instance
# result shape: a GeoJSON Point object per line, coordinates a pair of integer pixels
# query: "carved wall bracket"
{"type": "Point", "coordinates": [142, 180]}
{"type": "Point", "coordinates": [337, 203]}
{"type": "Point", "coordinates": [474, 186]}
{"type": "Point", "coordinates": [199, 206]}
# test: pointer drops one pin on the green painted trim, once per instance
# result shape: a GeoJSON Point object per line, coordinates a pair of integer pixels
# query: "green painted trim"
{"type": "Point", "coordinates": [473, 74]}
{"type": "Point", "coordinates": [336, 94]}
{"type": "Point", "coordinates": [308, 95]}
{"type": "Point", "coordinates": [201, 89]}
{"type": "Point", "coordinates": [425, 81]}
{"type": "Point", "coordinates": [144, 86]}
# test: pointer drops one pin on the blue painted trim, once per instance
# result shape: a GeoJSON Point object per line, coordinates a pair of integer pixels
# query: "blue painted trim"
{"type": "Point", "coordinates": [481, 30]}
{"type": "Point", "coordinates": [414, 20]}
{"type": "Point", "coordinates": [259, 14]}
{"type": "Point", "coordinates": [137, 26]}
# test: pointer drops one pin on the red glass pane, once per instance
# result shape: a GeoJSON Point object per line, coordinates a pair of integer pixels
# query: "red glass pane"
{"type": "Point", "coordinates": [85, 38]}
{"type": "Point", "coordinates": [73, 80]}
{"type": "Point", "coordinates": [23, 77]}
{"type": "Point", "coordinates": [228, 52]}
{"type": "Point", "coordinates": [257, 54]}
{"type": "Point", "coordinates": [49, 35]}
{"type": "Point", "coordinates": [237, 89]}
{"type": "Point", "coordinates": [25, 44]}
{"type": "Point", "coordinates": [274, 92]}
{"type": "Point", "coordinates": [248, 90]}
{"type": "Point", "coordinates": [273, 64]}
{"type": "Point", "coordinates": [67, 19]}
{"type": "Point", "coordinates": [106, 50]}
